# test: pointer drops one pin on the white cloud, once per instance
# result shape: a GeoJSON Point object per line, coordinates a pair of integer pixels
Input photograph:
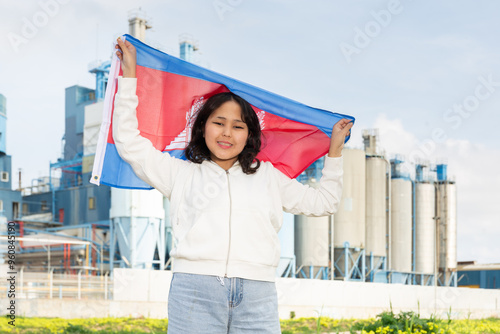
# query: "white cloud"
{"type": "Point", "coordinates": [394, 138]}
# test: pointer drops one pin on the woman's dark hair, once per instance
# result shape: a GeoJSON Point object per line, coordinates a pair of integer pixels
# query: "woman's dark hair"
{"type": "Point", "coordinates": [197, 150]}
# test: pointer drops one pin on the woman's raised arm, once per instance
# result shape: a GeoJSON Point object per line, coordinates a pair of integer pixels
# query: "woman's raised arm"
{"type": "Point", "coordinates": [298, 198]}
{"type": "Point", "coordinates": [157, 169]}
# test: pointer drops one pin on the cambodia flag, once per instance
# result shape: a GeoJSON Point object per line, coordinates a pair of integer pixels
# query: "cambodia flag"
{"type": "Point", "coordinates": [171, 92]}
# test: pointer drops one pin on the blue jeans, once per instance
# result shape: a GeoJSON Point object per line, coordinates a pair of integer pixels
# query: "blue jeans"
{"type": "Point", "coordinates": [209, 304]}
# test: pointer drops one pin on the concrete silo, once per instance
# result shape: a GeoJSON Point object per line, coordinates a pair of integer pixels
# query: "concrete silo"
{"type": "Point", "coordinates": [446, 202]}
{"type": "Point", "coordinates": [425, 228]}
{"type": "Point", "coordinates": [350, 219]}
{"type": "Point", "coordinates": [425, 224]}
{"type": "Point", "coordinates": [400, 258]}
{"type": "Point", "coordinates": [311, 234]}
{"type": "Point", "coordinates": [376, 215]}
{"type": "Point", "coordinates": [311, 246]}
{"type": "Point", "coordinates": [377, 172]}
{"type": "Point", "coordinates": [138, 225]}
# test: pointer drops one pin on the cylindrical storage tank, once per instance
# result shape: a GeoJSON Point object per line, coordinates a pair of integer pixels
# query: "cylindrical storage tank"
{"type": "Point", "coordinates": [311, 242]}
{"type": "Point", "coordinates": [350, 218]}
{"type": "Point", "coordinates": [137, 217]}
{"type": "Point", "coordinates": [376, 197]}
{"type": "Point", "coordinates": [287, 243]}
{"type": "Point", "coordinates": [425, 228]}
{"type": "Point", "coordinates": [401, 221]}
{"type": "Point", "coordinates": [447, 210]}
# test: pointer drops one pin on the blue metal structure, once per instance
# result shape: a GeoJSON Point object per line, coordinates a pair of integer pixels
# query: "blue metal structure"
{"type": "Point", "coordinates": [313, 171]}
{"type": "Point", "coordinates": [64, 254]}
{"type": "Point", "coordinates": [419, 173]}
{"type": "Point", "coordinates": [69, 200]}
{"type": "Point", "coordinates": [452, 280]}
{"type": "Point", "coordinates": [442, 172]}
{"type": "Point", "coordinates": [398, 277]}
{"type": "Point", "coordinates": [480, 278]}
{"type": "Point", "coordinates": [101, 71]}
{"type": "Point", "coordinates": [10, 200]}
{"type": "Point", "coordinates": [186, 51]}
{"type": "Point", "coordinates": [322, 273]}
{"type": "Point", "coordinates": [71, 205]}
{"type": "Point", "coordinates": [375, 267]}
{"type": "Point", "coordinates": [3, 124]}
{"type": "Point", "coordinates": [187, 48]}
{"type": "Point", "coordinates": [398, 170]}
{"type": "Point", "coordinates": [351, 266]}
{"type": "Point", "coordinates": [138, 238]}
{"type": "Point", "coordinates": [76, 99]}
{"type": "Point", "coordinates": [95, 257]}
{"type": "Point", "coordinates": [11, 203]}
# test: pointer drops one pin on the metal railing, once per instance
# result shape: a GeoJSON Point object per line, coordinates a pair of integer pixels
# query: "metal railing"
{"type": "Point", "coordinates": [31, 285]}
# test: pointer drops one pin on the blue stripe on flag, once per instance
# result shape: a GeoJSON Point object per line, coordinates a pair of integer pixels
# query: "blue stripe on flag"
{"type": "Point", "coordinates": [260, 98]}
{"type": "Point", "coordinates": [118, 173]}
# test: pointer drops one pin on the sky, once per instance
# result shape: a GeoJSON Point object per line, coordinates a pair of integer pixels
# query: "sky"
{"type": "Point", "coordinates": [425, 73]}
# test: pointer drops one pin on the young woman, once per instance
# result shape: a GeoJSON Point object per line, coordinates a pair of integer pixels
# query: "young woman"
{"type": "Point", "coordinates": [226, 209]}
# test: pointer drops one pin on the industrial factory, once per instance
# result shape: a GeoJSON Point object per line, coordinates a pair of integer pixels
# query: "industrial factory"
{"type": "Point", "coordinates": [396, 223]}
{"type": "Point", "coordinates": [389, 228]}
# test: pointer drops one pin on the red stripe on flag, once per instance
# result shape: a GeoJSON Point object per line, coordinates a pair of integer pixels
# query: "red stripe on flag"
{"type": "Point", "coordinates": [291, 146]}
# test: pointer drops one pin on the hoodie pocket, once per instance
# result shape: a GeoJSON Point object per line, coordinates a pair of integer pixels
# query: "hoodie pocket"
{"type": "Point", "coordinates": [207, 239]}
{"type": "Point", "coordinates": [254, 238]}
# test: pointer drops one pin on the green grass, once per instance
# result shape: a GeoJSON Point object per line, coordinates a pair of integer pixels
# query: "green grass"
{"type": "Point", "coordinates": [387, 322]}
{"type": "Point", "coordinates": [85, 326]}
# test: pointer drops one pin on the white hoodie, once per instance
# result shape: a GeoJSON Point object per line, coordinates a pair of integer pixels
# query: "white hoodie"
{"type": "Point", "coordinates": [225, 223]}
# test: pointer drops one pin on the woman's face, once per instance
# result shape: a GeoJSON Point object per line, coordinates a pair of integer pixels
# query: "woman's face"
{"type": "Point", "coordinates": [226, 134]}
